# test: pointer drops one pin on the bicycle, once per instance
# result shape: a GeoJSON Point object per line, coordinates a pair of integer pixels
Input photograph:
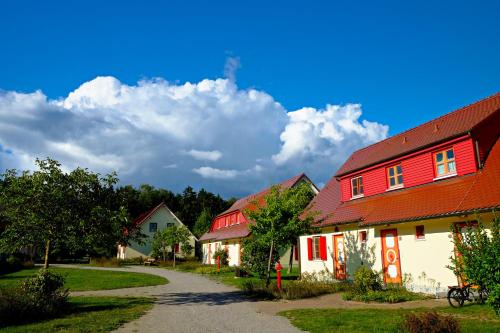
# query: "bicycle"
{"type": "Point", "coordinates": [458, 295]}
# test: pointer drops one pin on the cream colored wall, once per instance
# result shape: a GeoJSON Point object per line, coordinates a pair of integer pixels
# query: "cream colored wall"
{"type": "Point", "coordinates": [162, 217]}
{"type": "Point", "coordinates": [424, 261]}
{"type": "Point", "coordinates": [233, 248]}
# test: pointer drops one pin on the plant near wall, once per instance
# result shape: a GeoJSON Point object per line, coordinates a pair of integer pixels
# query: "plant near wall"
{"type": "Point", "coordinates": [477, 258]}
{"type": "Point", "coordinates": [223, 255]}
{"type": "Point", "coordinates": [278, 224]}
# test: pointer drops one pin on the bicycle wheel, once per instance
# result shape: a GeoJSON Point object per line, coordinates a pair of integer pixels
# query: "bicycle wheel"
{"type": "Point", "coordinates": [483, 295]}
{"type": "Point", "coordinates": [455, 297]}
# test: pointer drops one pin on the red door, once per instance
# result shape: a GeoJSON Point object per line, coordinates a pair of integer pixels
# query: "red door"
{"type": "Point", "coordinates": [390, 256]}
{"type": "Point", "coordinates": [340, 258]}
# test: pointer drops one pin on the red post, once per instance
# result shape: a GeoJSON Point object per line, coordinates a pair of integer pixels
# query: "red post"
{"type": "Point", "coordinates": [218, 263]}
{"type": "Point", "coordinates": [278, 274]}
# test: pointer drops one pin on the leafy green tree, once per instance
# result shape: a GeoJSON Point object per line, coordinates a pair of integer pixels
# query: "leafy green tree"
{"type": "Point", "coordinates": [160, 244]}
{"type": "Point", "coordinates": [51, 209]}
{"type": "Point", "coordinates": [477, 259]}
{"type": "Point", "coordinates": [278, 224]}
{"type": "Point", "coordinates": [176, 236]}
{"type": "Point", "coordinates": [203, 223]}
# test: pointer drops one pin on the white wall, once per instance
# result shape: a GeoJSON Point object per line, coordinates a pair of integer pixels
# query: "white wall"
{"type": "Point", "coordinates": [162, 217]}
{"type": "Point", "coordinates": [233, 248]}
{"type": "Point", "coordinates": [425, 261]}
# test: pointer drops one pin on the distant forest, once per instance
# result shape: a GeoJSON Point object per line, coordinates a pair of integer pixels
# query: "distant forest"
{"type": "Point", "coordinates": [189, 206]}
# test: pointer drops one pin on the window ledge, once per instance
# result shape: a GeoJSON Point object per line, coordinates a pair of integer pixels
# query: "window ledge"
{"type": "Point", "coordinates": [445, 176]}
{"type": "Point", "coordinates": [420, 239]}
{"type": "Point", "coordinates": [357, 196]}
{"type": "Point", "coordinates": [397, 187]}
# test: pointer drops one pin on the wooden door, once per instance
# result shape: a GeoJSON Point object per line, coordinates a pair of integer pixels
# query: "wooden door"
{"type": "Point", "coordinates": [460, 229]}
{"type": "Point", "coordinates": [390, 256]}
{"type": "Point", "coordinates": [339, 258]}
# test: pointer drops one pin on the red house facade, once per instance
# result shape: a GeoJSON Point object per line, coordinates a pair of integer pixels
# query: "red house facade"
{"type": "Point", "coordinates": [230, 227]}
{"type": "Point", "coordinates": [400, 197]}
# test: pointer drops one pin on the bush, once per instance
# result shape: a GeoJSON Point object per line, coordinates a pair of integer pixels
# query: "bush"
{"type": "Point", "coordinates": [106, 262]}
{"type": "Point", "coordinates": [241, 272]}
{"type": "Point", "coordinates": [38, 297]}
{"type": "Point", "coordinates": [429, 322]}
{"type": "Point", "coordinates": [293, 289]}
{"type": "Point", "coordinates": [224, 256]}
{"type": "Point", "coordinates": [13, 263]}
{"type": "Point", "coordinates": [391, 295]}
{"type": "Point", "coordinates": [365, 279]}
{"type": "Point", "coordinates": [210, 269]}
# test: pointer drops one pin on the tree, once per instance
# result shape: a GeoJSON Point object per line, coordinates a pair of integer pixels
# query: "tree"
{"type": "Point", "coordinates": [51, 209]}
{"type": "Point", "coordinates": [175, 236]}
{"type": "Point", "coordinates": [477, 258]}
{"type": "Point", "coordinates": [160, 244]}
{"type": "Point", "coordinates": [278, 224]}
{"type": "Point", "coordinates": [202, 223]}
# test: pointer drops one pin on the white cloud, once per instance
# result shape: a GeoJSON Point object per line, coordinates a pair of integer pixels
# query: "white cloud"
{"type": "Point", "coordinates": [209, 155]}
{"type": "Point", "coordinates": [165, 134]}
{"type": "Point", "coordinates": [208, 172]}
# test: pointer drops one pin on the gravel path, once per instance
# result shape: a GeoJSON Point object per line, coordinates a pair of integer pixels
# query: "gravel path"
{"type": "Point", "coordinates": [193, 303]}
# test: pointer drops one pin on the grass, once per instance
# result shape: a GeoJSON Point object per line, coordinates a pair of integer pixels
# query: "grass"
{"type": "Point", "coordinates": [88, 279]}
{"type": "Point", "coordinates": [90, 314]}
{"type": "Point", "coordinates": [472, 318]}
{"type": "Point", "coordinates": [391, 295]}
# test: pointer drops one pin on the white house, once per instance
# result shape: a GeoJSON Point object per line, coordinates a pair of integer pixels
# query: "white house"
{"type": "Point", "coordinates": [229, 228]}
{"type": "Point", "coordinates": [395, 205]}
{"type": "Point", "coordinates": [158, 218]}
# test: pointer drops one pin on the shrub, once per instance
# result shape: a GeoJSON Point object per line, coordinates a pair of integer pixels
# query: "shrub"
{"type": "Point", "coordinates": [429, 322]}
{"type": "Point", "coordinates": [106, 262]}
{"type": "Point", "coordinates": [38, 297]}
{"type": "Point", "coordinates": [211, 269]}
{"type": "Point", "coordinates": [293, 289]}
{"type": "Point", "coordinates": [391, 295]}
{"type": "Point", "coordinates": [224, 256]}
{"type": "Point", "coordinates": [241, 272]}
{"type": "Point", "coordinates": [365, 279]}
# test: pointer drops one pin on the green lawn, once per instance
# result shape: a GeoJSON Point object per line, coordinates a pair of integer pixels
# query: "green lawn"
{"type": "Point", "coordinates": [472, 318]}
{"type": "Point", "coordinates": [88, 279]}
{"type": "Point", "coordinates": [90, 314]}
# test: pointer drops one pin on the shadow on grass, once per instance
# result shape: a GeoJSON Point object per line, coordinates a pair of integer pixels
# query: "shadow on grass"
{"type": "Point", "coordinates": [221, 298]}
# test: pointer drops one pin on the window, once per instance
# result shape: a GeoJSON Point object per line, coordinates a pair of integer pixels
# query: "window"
{"type": "Point", "coordinates": [357, 187]}
{"type": "Point", "coordinates": [227, 221]}
{"type": "Point", "coordinates": [362, 237]}
{"type": "Point", "coordinates": [153, 227]}
{"type": "Point", "coordinates": [419, 232]}
{"type": "Point", "coordinates": [170, 225]}
{"type": "Point", "coordinates": [238, 218]}
{"type": "Point", "coordinates": [316, 248]}
{"type": "Point", "coordinates": [445, 163]}
{"type": "Point", "coordinates": [395, 176]}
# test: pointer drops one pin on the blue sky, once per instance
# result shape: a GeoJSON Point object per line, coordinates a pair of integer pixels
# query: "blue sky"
{"type": "Point", "coordinates": [404, 63]}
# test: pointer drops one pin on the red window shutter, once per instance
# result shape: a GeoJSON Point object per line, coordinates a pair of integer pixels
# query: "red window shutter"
{"type": "Point", "coordinates": [176, 248]}
{"type": "Point", "coordinates": [310, 248]}
{"type": "Point", "coordinates": [296, 252]}
{"type": "Point", "coordinates": [322, 247]}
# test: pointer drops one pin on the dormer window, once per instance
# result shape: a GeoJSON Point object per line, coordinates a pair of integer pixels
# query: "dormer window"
{"type": "Point", "coordinates": [444, 162]}
{"type": "Point", "coordinates": [357, 187]}
{"type": "Point", "coordinates": [395, 176]}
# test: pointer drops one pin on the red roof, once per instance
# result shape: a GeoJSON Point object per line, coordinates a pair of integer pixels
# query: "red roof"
{"type": "Point", "coordinates": [452, 196]}
{"type": "Point", "coordinates": [248, 202]}
{"type": "Point", "coordinates": [144, 216]}
{"type": "Point", "coordinates": [450, 125]}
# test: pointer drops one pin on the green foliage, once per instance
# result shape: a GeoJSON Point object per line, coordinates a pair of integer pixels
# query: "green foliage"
{"type": "Point", "coordinates": [429, 322]}
{"type": "Point", "coordinates": [202, 223]}
{"type": "Point", "coordinates": [304, 288]}
{"type": "Point", "coordinates": [38, 297]}
{"type": "Point", "coordinates": [366, 279]}
{"type": "Point", "coordinates": [478, 261]}
{"type": "Point", "coordinates": [278, 224]}
{"type": "Point", "coordinates": [224, 256]}
{"type": "Point", "coordinates": [390, 295]}
{"type": "Point", "coordinates": [63, 212]}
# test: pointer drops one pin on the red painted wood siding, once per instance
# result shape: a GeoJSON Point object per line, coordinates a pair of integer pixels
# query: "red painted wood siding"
{"type": "Point", "coordinates": [232, 218]}
{"type": "Point", "coordinates": [417, 169]}
{"type": "Point", "coordinates": [486, 134]}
